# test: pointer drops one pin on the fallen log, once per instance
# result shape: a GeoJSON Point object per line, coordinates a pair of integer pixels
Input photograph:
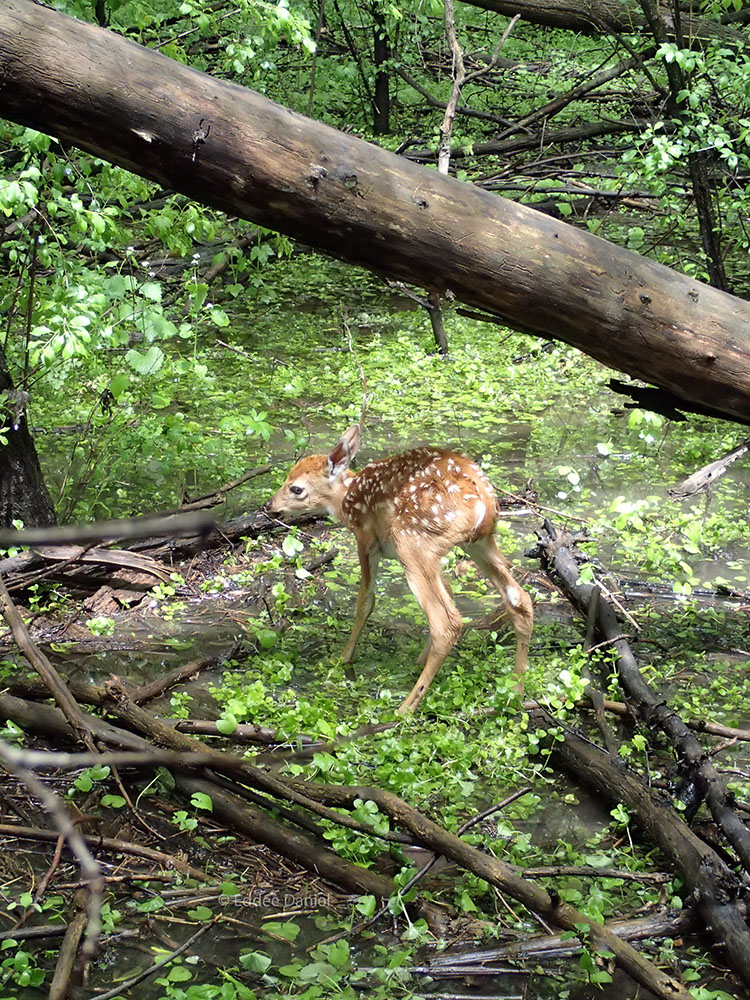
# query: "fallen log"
{"type": "Point", "coordinates": [556, 552]}
{"type": "Point", "coordinates": [44, 719]}
{"type": "Point", "coordinates": [237, 151]}
{"type": "Point", "coordinates": [117, 558]}
{"type": "Point", "coordinates": [720, 892]}
{"type": "Point", "coordinates": [671, 923]}
{"type": "Point", "coordinates": [153, 535]}
{"type": "Point", "coordinates": [605, 16]}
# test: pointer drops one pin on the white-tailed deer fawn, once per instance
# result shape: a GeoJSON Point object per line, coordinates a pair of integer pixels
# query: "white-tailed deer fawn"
{"type": "Point", "coordinates": [415, 507]}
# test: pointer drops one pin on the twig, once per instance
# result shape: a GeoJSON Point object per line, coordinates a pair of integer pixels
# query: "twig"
{"type": "Point", "coordinates": [100, 531]}
{"type": "Point", "coordinates": [606, 642]}
{"type": "Point", "coordinates": [155, 688]}
{"type": "Point", "coordinates": [107, 844]}
{"type": "Point", "coordinates": [220, 491]}
{"type": "Point", "coordinates": [15, 761]}
{"type": "Point", "coordinates": [460, 78]}
{"type": "Point", "coordinates": [153, 969]}
{"type": "Point", "coordinates": [44, 668]}
{"type": "Point", "coordinates": [546, 871]}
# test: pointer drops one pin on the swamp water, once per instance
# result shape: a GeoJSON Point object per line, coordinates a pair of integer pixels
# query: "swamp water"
{"type": "Point", "coordinates": [526, 411]}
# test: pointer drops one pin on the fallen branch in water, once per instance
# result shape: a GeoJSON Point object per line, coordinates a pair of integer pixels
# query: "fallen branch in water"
{"type": "Point", "coordinates": [718, 889]}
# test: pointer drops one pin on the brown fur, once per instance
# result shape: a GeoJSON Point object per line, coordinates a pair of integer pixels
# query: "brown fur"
{"type": "Point", "coordinates": [416, 507]}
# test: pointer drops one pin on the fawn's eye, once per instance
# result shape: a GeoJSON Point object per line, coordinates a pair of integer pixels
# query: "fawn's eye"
{"type": "Point", "coordinates": [296, 491]}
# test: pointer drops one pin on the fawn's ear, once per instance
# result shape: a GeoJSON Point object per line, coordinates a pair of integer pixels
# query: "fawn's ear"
{"type": "Point", "coordinates": [343, 453]}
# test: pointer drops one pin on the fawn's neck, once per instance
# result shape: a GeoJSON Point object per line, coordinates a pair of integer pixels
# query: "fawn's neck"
{"type": "Point", "coordinates": [338, 494]}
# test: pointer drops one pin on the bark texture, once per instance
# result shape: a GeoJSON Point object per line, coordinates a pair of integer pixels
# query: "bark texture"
{"type": "Point", "coordinates": [23, 494]}
{"type": "Point", "coordinates": [718, 888]}
{"type": "Point", "coordinates": [712, 885]}
{"type": "Point", "coordinates": [604, 16]}
{"type": "Point", "coordinates": [233, 149]}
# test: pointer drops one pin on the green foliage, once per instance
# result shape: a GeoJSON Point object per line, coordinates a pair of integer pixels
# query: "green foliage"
{"type": "Point", "coordinates": [20, 967]}
{"type": "Point", "coordinates": [137, 400]}
{"type": "Point", "coordinates": [452, 760]}
{"type": "Point", "coordinates": [101, 625]}
{"type": "Point", "coordinates": [86, 781]}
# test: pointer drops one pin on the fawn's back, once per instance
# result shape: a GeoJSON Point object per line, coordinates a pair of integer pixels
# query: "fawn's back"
{"type": "Point", "coordinates": [438, 496]}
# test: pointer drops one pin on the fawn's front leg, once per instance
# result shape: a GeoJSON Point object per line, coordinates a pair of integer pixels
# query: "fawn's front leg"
{"type": "Point", "coordinates": [369, 556]}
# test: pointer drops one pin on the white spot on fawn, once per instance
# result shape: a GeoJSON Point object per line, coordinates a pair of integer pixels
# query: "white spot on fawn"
{"type": "Point", "coordinates": [512, 596]}
{"type": "Point", "coordinates": [480, 510]}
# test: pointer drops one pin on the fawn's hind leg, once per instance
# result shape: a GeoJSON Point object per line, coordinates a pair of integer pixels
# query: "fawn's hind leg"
{"type": "Point", "coordinates": [425, 579]}
{"type": "Point", "coordinates": [496, 568]}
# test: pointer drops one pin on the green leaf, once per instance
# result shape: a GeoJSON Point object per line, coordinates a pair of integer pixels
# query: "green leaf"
{"type": "Point", "coordinates": [366, 905]}
{"type": "Point", "coordinates": [291, 971]}
{"type": "Point", "coordinates": [118, 384]}
{"type": "Point", "coordinates": [291, 546]}
{"type": "Point", "coordinates": [145, 364]}
{"type": "Point", "coordinates": [219, 317]}
{"type": "Point", "coordinates": [338, 953]}
{"type": "Point", "coordinates": [266, 637]}
{"type": "Point", "coordinates": [317, 971]}
{"type": "Point", "coordinates": [151, 290]}
{"type": "Point", "coordinates": [155, 326]}
{"type": "Point", "coordinates": [179, 974]}
{"type": "Point", "coordinates": [227, 724]}
{"type": "Point", "coordinates": [287, 930]}
{"type": "Point", "coordinates": [199, 800]}
{"type": "Point", "coordinates": [151, 905]}
{"type": "Point", "coordinates": [255, 961]}
{"type": "Point", "coordinates": [466, 903]}
{"type": "Point", "coordinates": [113, 801]}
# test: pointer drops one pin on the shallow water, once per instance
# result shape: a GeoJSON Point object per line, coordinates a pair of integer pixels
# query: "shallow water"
{"type": "Point", "coordinates": [524, 413]}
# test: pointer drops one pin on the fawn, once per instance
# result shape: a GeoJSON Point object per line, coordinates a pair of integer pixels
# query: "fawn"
{"type": "Point", "coordinates": [414, 507]}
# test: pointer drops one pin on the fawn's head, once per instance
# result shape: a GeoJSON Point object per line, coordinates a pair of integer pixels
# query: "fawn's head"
{"type": "Point", "coordinates": [317, 484]}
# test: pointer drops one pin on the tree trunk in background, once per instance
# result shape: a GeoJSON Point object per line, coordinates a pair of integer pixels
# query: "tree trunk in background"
{"type": "Point", "coordinates": [661, 28]}
{"type": "Point", "coordinates": [382, 110]}
{"type": "Point", "coordinates": [23, 495]}
{"type": "Point", "coordinates": [358, 202]}
{"type": "Point", "coordinates": [605, 16]}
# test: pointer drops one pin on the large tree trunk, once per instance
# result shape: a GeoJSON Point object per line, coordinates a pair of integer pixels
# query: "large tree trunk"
{"type": "Point", "coordinates": [605, 16]}
{"type": "Point", "coordinates": [23, 495]}
{"type": "Point", "coordinates": [239, 152]}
